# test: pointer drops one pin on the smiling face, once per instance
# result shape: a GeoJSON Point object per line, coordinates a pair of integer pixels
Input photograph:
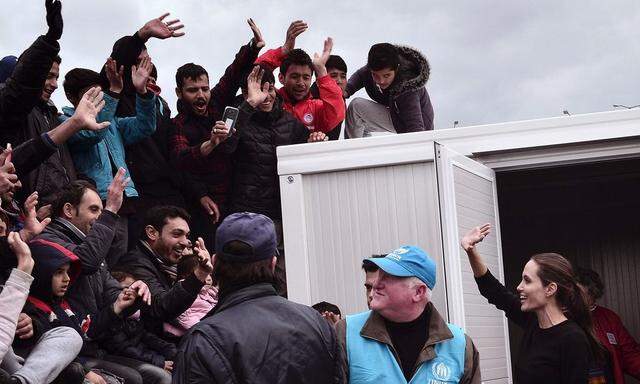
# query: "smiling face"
{"type": "Point", "coordinates": [171, 240]}
{"type": "Point", "coordinates": [86, 213]}
{"type": "Point", "coordinates": [195, 94]}
{"type": "Point", "coordinates": [51, 84]}
{"type": "Point", "coordinates": [534, 295]}
{"type": "Point", "coordinates": [297, 81]}
{"type": "Point", "coordinates": [60, 281]}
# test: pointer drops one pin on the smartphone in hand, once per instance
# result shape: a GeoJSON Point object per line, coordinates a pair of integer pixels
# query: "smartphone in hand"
{"type": "Point", "coordinates": [230, 117]}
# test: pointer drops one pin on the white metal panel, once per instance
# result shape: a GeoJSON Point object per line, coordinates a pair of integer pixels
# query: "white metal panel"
{"type": "Point", "coordinates": [468, 198]}
{"type": "Point", "coordinates": [348, 216]}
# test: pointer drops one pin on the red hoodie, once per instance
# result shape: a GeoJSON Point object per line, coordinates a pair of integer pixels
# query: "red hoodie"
{"type": "Point", "coordinates": [322, 114]}
{"type": "Point", "coordinates": [624, 350]}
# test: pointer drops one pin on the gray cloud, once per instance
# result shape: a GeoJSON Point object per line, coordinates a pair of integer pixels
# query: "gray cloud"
{"type": "Point", "coordinates": [492, 61]}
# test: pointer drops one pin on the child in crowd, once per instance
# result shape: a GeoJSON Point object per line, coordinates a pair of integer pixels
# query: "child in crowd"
{"type": "Point", "coordinates": [56, 268]}
{"type": "Point", "coordinates": [205, 302]}
{"type": "Point", "coordinates": [128, 340]}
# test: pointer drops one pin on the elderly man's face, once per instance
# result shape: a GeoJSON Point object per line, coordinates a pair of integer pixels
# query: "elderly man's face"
{"type": "Point", "coordinates": [392, 295]}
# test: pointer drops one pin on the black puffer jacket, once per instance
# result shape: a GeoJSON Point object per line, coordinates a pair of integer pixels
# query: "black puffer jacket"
{"type": "Point", "coordinates": [24, 116]}
{"type": "Point", "coordinates": [255, 336]}
{"type": "Point", "coordinates": [256, 187]}
{"type": "Point", "coordinates": [407, 98]}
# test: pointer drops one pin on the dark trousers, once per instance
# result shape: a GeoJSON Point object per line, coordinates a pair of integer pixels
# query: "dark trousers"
{"type": "Point", "coordinates": [129, 375]}
{"type": "Point", "coordinates": [150, 373]}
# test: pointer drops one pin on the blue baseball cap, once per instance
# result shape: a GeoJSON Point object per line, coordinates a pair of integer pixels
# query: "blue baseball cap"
{"type": "Point", "coordinates": [255, 230]}
{"type": "Point", "coordinates": [408, 261]}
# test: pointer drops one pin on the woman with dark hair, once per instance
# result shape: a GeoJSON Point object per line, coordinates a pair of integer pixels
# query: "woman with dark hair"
{"type": "Point", "coordinates": [558, 345]}
{"type": "Point", "coordinates": [608, 327]}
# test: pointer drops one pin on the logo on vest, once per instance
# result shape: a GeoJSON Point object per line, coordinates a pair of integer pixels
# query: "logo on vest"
{"type": "Point", "coordinates": [441, 371]}
{"type": "Point", "coordinates": [308, 118]}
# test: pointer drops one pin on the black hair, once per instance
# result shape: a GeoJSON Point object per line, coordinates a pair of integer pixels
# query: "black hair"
{"type": "Point", "coordinates": [383, 56]}
{"type": "Point", "coordinates": [324, 306]}
{"type": "Point", "coordinates": [120, 275]}
{"type": "Point", "coordinates": [368, 266]}
{"type": "Point", "coordinates": [336, 62]}
{"type": "Point", "coordinates": [71, 193]}
{"type": "Point", "coordinates": [186, 266]}
{"type": "Point", "coordinates": [157, 217]}
{"type": "Point", "coordinates": [57, 59]}
{"type": "Point", "coordinates": [189, 71]}
{"type": "Point", "coordinates": [78, 79]}
{"type": "Point", "coordinates": [267, 76]}
{"type": "Point", "coordinates": [296, 57]}
{"type": "Point", "coordinates": [591, 281]}
{"type": "Point", "coordinates": [154, 72]}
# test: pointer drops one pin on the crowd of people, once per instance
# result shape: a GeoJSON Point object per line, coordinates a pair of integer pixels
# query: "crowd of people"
{"type": "Point", "coordinates": [110, 207]}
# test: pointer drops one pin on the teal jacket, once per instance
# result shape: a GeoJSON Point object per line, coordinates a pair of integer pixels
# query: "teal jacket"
{"type": "Point", "coordinates": [99, 154]}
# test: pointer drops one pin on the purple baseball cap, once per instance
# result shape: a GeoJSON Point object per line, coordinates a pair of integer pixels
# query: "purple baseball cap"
{"type": "Point", "coordinates": [253, 229]}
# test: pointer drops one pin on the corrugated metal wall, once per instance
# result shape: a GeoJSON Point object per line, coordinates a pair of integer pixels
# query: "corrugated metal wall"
{"type": "Point", "coordinates": [484, 323]}
{"type": "Point", "coordinates": [353, 214]}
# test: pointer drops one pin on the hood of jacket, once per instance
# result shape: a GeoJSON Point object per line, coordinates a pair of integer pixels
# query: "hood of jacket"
{"type": "Point", "coordinates": [413, 72]}
{"type": "Point", "coordinates": [48, 257]}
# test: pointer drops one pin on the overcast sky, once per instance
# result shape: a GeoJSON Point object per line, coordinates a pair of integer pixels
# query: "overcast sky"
{"type": "Point", "coordinates": [492, 61]}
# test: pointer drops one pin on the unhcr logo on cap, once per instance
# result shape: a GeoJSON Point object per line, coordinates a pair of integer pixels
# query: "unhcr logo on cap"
{"type": "Point", "coordinates": [396, 255]}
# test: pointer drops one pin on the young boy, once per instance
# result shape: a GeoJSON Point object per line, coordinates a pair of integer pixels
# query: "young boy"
{"type": "Point", "coordinates": [55, 270]}
{"type": "Point", "coordinates": [128, 340]}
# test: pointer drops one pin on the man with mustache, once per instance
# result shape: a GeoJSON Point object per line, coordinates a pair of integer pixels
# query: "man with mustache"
{"type": "Point", "coordinates": [198, 131]}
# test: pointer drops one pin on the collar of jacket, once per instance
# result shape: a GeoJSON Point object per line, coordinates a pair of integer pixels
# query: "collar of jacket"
{"type": "Point", "coordinates": [233, 297]}
{"type": "Point", "coordinates": [376, 329]}
{"type": "Point", "coordinates": [71, 230]}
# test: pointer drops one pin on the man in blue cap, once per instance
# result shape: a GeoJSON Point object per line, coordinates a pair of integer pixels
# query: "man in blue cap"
{"type": "Point", "coordinates": [253, 335]}
{"type": "Point", "coordinates": [403, 338]}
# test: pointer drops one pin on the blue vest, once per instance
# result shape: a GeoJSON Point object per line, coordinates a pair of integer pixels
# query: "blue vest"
{"type": "Point", "coordinates": [373, 362]}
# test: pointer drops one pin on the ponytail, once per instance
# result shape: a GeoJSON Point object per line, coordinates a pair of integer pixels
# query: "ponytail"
{"type": "Point", "coordinates": [570, 297]}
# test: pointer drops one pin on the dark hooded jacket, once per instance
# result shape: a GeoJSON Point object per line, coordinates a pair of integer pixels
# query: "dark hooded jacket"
{"type": "Point", "coordinates": [48, 311]}
{"type": "Point", "coordinates": [406, 98]}
{"type": "Point", "coordinates": [255, 336]}
{"type": "Point", "coordinates": [95, 288]}
{"type": "Point", "coordinates": [256, 187]}
{"type": "Point", "coordinates": [24, 116]}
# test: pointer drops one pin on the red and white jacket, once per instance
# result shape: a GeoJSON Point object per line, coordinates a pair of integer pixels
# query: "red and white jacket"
{"type": "Point", "coordinates": [322, 114]}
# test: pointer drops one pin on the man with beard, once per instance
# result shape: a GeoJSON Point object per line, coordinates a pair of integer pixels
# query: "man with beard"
{"type": "Point", "coordinates": [198, 131]}
{"type": "Point", "coordinates": [164, 242]}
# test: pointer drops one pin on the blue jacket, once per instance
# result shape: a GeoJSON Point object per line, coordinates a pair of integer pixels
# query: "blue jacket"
{"type": "Point", "coordinates": [96, 152]}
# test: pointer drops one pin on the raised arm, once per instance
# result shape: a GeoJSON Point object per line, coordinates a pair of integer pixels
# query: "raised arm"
{"type": "Point", "coordinates": [332, 111]}
{"type": "Point", "coordinates": [134, 129]}
{"type": "Point", "coordinates": [273, 57]}
{"type": "Point", "coordinates": [356, 81]}
{"type": "Point", "coordinates": [23, 88]}
{"type": "Point", "coordinates": [496, 293]}
{"type": "Point", "coordinates": [223, 94]}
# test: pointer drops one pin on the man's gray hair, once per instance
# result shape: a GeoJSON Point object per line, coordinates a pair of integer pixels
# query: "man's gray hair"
{"type": "Point", "coordinates": [414, 282]}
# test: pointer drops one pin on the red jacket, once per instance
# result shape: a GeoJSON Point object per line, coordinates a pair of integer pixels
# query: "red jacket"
{"type": "Point", "coordinates": [624, 350]}
{"type": "Point", "coordinates": [322, 114]}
